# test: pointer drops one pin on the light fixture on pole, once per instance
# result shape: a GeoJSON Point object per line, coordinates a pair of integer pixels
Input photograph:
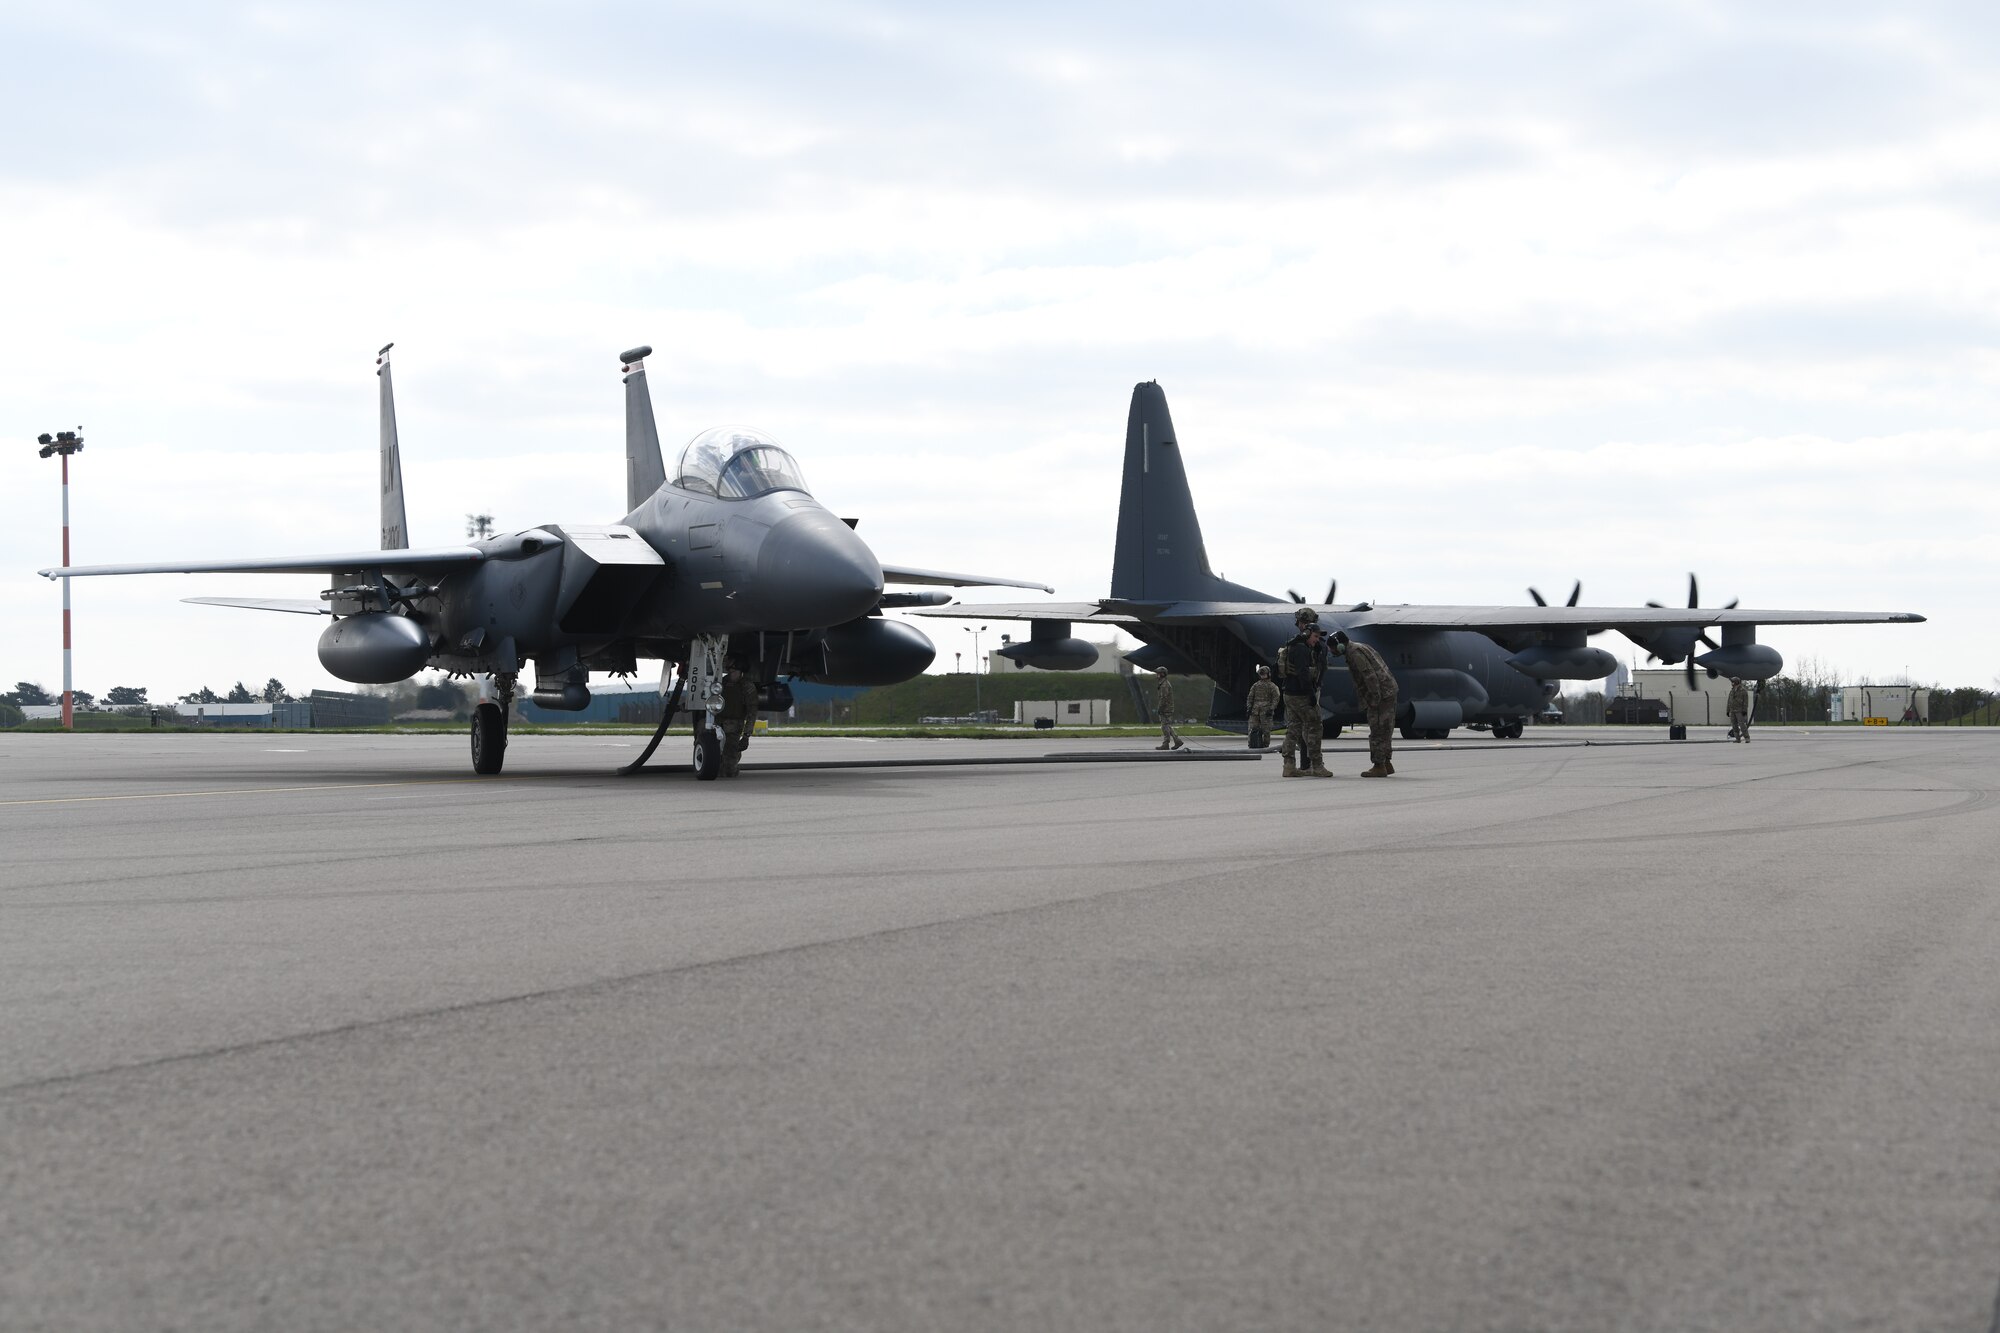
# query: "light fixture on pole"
{"type": "Point", "coordinates": [65, 443]}
{"type": "Point", "coordinates": [977, 706]}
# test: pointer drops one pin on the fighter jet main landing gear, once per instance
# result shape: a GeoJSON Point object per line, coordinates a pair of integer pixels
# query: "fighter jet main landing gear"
{"type": "Point", "coordinates": [489, 729]}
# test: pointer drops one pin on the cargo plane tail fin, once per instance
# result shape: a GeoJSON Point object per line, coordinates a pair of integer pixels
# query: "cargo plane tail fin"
{"type": "Point", "coordinates": [1160, 556]}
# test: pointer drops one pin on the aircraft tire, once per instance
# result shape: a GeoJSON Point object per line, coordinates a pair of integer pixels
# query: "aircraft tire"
{"type": "Point", "coordinates": [1332, 731]}
{"type": "Point", "coordinates": [1410, 733]}
{"type": "Point", "coordinates": [707, 755]}
{"type": "Point", "coordinates": [489, 739]}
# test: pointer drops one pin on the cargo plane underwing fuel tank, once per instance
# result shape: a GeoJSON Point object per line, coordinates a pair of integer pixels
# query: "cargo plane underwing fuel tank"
{"type": "Point", "coordinates": [1492, 666]}
{"type": "Point", "coordinates": [728, 556]}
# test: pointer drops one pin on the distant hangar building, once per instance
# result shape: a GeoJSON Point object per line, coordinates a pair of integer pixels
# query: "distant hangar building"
{"type": "Point", "coordinates": [1881, 705]}
{"type": "Point", "coordinates": [1706, 704]}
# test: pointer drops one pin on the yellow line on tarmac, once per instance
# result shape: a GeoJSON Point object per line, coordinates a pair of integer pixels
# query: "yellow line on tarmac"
{"type": "Point", "coordinates": [255, 791]}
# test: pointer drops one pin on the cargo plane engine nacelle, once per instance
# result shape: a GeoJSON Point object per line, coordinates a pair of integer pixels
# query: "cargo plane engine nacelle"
{"type": "Point", "coordinates": [1052, 647]}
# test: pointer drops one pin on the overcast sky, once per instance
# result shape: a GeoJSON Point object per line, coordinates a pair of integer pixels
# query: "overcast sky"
{"type": "Point", "coordinates": [1447, 299]}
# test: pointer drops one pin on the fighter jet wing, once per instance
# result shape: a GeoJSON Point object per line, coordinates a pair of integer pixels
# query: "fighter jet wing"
{"type": "Point", "coordinates": [1087, 612]}
{"type": "Point", "coordinates": [1506, 618]}
{"type": "Point", "coordinates": [440, 557]}
{"type": "Point", "coordinates": [296, 605]}
{"type": "Point", "coordinates": [943, 579]}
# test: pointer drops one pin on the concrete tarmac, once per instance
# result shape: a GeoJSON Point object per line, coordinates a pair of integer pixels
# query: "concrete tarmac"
{"type": "Point", "coordinates": [311, 1032]}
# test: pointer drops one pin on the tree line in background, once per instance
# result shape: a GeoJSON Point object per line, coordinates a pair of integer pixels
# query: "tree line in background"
{"type": "Point", "coordinates": [30, 694]}
{"type": "Point", "coordinates": [453, 698]}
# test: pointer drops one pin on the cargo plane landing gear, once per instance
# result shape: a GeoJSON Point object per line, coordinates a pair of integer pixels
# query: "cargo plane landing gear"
{"type": "Point", "coordinates": [489, 729]}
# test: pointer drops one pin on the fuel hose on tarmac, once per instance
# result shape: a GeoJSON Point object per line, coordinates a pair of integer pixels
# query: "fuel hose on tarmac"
{"type": "Point", "coordinates": [666, 716]}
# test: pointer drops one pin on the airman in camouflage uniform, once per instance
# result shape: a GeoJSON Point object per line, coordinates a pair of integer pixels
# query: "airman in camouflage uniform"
{"type": "Point", "coordinates": [1263, 701]}
{"type": "Point", "coordinates": [1738, 709]}
{"type": "Point", "coordinates": [1301, 664]}
{"type": "Point", "coordinates": [1375, 687]}
{"type": "Point", "coordinates": [1163, 704]}
{"type": "Point", "coordinates": [737, 716]}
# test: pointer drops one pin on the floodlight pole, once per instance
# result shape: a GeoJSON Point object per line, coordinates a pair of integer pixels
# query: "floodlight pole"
{"type": "Point", "coordinates": [69, 700]}
{"type": "Point", "coordinates": [65, 443]}
{"type": "Point", "coordinates": [977, 705]}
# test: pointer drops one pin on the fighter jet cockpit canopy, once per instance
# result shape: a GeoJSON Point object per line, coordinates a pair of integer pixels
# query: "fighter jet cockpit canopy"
{"type": "Point", "coordinates": [737, 463]}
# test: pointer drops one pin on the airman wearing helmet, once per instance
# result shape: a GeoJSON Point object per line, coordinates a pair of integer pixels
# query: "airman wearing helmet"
{"type": "Point", "coordinates": [1163, 704]}
{"type": "Point", "coordinates": [1263, 702]}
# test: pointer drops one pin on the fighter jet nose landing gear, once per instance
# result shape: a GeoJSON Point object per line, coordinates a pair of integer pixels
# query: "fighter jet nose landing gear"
{"type": "Point", "coordinates": [489, 730]}
{"type": "Point", "coordinates": [707, 754]}
{"type": "Point", "coordinates": [705, 667]}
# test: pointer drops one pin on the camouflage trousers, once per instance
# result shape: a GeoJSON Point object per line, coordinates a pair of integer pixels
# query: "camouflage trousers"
{"type": "Point", "coordinates": [733, 745]}
{"type": "Point", "coordinates": [1302, 731]}
{"type": "Point", "coordinates": [1260, 727]}
{"type": "Point", "coordinates": [1739, 726]}
{"type": "Point", "coordinates": [1381, 726]}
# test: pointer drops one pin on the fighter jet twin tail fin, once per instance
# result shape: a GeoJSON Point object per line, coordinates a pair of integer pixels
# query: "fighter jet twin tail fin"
{"type": "Point", "coordinates": [395, 525]}
{"type": "Point", "coordinates": [645, 473]}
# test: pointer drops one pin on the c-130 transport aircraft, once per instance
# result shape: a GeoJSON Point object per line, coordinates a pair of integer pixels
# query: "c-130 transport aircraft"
{"type": "Point", "coordinates": [731, 557]}
{"type": "Point", "coordinates": [1491, 666]}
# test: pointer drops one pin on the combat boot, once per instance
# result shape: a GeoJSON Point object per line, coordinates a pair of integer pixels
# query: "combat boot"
{"type": "Point", "coordinates": [1379, 771]}
{"type": "Point", "coordinates": [1291, 769]}
{"type": "Point", "coordinates": [1179, 744]}
{"type": "Point", "coordinates": [1319, 771]}
{"type": "Point", "coordinates": [1391, 767]}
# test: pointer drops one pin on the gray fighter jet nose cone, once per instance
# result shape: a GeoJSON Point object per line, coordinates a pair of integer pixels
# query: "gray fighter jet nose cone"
{"type": "Point", "coordinates": [812, 571]}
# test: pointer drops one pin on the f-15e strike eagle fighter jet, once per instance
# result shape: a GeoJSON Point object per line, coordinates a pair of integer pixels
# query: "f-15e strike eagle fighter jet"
{"type": "Point", "coordinates": [1454, 665]}
{"type": "Point", "coordinates": [732, 556]}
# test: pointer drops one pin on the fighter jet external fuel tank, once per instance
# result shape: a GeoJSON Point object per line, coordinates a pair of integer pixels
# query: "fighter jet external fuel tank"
{"type": "Point", "coordinates": [731, 556]}
{"type": "Point", "coordinates": [1490, 666]}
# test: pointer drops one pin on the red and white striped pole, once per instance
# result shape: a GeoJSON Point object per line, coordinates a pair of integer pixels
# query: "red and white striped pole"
{"type": "Point", "coordinates": [65, 443]}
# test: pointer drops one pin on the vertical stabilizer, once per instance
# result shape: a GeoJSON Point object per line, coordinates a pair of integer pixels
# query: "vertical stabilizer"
{"type": "Point", "coordinates": [395, 527]}
{"type": "Point", "coordinates": [1160, 556]}
{"type": "Point", "coordinates": [644, 472]}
